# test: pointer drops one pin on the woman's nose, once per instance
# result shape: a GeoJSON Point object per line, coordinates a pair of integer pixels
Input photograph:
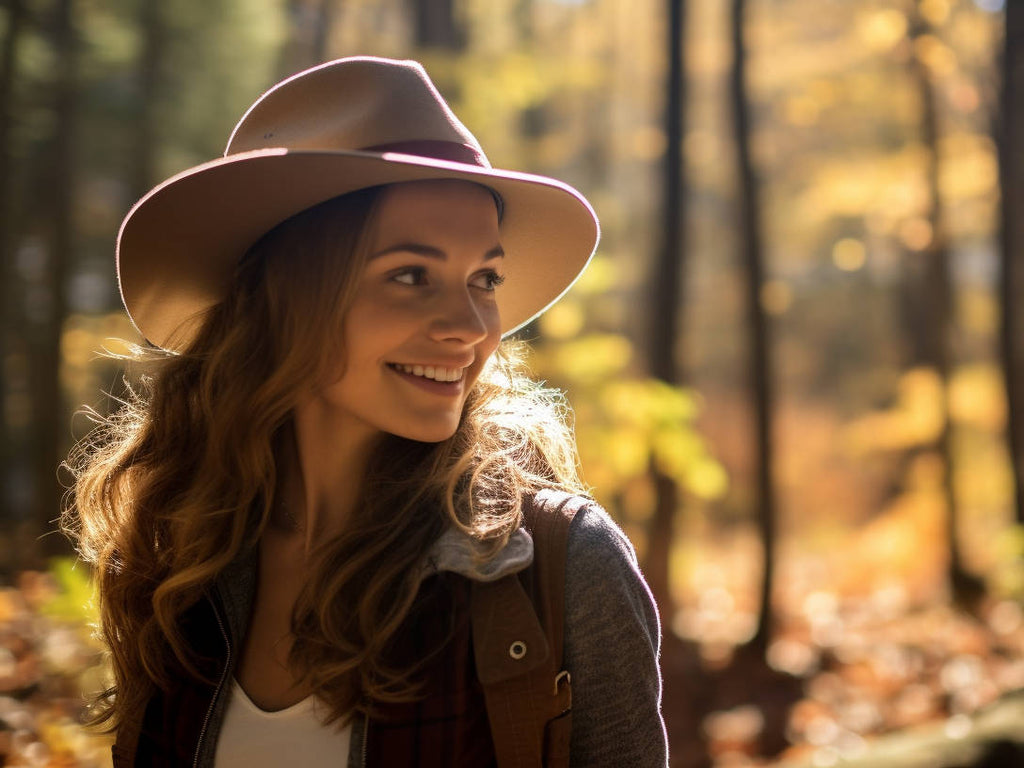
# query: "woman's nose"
{"type": "Point", "coordinates": [460, 317]}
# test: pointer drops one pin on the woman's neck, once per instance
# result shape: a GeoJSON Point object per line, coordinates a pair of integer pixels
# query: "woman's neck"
{"type": "Point", "coordinates": [323, 467]}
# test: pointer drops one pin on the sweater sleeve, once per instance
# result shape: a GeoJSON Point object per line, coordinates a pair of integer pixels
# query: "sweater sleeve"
{"type": "Point", "coordinates": [612, 644]}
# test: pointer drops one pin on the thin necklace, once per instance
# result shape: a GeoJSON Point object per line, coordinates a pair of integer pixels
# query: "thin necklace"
{"type": "Point", "coordinates": [290, 517]}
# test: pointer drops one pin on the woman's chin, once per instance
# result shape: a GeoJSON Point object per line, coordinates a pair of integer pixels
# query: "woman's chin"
{"type": "Point", "coordinates": [427, 434]}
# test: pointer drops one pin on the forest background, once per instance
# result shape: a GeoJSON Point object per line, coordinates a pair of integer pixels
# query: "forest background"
{"type": "Point", "coordinates": [792, 361]}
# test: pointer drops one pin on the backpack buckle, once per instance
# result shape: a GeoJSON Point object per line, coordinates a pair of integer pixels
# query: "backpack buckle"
{"type": "Point", "coordinates": [563, 675]}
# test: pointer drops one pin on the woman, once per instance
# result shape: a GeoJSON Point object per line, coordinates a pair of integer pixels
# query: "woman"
{"type": "Point", "coordinates": [298, 519]}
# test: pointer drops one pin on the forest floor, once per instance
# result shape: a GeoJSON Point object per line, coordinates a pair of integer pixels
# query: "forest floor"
{"type": "Point", "coordinates": [860, 684]}
{"type": "Point", "coordinates": [856, 683]}
{"type": "Point", "coordinates": [990, 738]}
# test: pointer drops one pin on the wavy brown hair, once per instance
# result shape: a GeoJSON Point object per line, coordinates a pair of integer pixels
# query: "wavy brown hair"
{"type": "Point", "coordinates": [181, 479]}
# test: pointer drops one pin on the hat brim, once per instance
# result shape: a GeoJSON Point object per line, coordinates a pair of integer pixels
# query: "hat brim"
{"type": "Point", "coordinates": [178, 246]}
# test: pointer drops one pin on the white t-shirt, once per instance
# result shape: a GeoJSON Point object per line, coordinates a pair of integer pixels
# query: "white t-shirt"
{"type": "Point", "coordinates": [254, 738]}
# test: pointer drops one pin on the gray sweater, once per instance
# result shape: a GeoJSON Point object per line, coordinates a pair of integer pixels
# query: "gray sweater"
{"type": "Point", "coordinates": [612, 640]}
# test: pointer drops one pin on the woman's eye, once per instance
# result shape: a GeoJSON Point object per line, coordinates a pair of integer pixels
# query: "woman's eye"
{"type": "Point", "coordinates": [488, 280]}
{"type": "Point", "coordinates": [411, 276]}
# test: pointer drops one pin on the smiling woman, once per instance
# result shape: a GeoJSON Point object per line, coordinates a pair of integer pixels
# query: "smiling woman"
{"type": "Point", "coordinates": [338, 486]}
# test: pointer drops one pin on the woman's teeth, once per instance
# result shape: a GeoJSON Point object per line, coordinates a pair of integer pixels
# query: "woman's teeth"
{"type": "Point", "coordinates": [436, 373]}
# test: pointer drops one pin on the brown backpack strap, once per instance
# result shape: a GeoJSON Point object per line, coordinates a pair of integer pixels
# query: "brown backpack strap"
{"type": "Point", "coordinates": [518, 641]}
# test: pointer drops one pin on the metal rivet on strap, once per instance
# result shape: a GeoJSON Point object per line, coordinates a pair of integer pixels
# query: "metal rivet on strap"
{"type": "Point", "coordinates": [517, 650]}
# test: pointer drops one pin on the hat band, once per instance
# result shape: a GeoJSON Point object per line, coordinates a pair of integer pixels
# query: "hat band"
{"type": "Point", "coordinates": [436, 149]}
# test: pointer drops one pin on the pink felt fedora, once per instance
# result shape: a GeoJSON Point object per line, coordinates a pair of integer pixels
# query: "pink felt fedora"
{"type": "Point", "coordinates": [341, 126]}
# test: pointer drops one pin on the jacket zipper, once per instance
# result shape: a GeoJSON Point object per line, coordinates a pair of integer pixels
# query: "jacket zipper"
{"type": "Point", "coordinates": [366, 733]}
{"type": "Point", "coordinates": [220, 683]}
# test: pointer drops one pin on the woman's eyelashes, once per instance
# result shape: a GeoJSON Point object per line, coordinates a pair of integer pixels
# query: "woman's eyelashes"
{"type": "Point", "coordinates": [410, 276]}
{"type": "Point", "coordinates": [486, 280]}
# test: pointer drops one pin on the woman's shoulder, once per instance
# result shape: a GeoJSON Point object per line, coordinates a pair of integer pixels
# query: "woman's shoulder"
{"type": "Point", "coordinates": [602, 568]}
{"type": "Point", "coordinates": [594, 537]}
{"type": "Point", "coordinates": [601, 565]}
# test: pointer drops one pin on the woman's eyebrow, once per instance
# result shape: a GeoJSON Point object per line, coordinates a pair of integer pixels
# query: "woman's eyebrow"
{"type": "Point", "coordinates": [431, 252]}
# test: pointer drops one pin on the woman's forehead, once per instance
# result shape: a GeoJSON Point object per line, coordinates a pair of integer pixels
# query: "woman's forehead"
{"type": "Point", "coordinates": [437, 208]}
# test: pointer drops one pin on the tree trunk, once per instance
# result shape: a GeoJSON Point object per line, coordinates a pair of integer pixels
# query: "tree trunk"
{"type": "Point", "coordinates": [757, 326]}
{"type": "Point", "coordinates": [322, 34]}
{"type": "Point", "coordinates": [932, 288]}
{"type": "Point", "coordinates": [435, 25]}
{"type": "Point", "coordinates": [666, 289]}
{"type": "Point", "coordinates": [50, 415]}
{"type": "Point", "coordinates": [8, 276]}
{"type": "Point", "coordinates": [8, 77]}
{"type": "Point", "coordinates": [11, 339]}
{"type": "Point", "coordinates": [1011, 172]}
{"type": "Point", "coordinates": [151, 58]}
{"type": "Point", "coordinates": [668, 268]}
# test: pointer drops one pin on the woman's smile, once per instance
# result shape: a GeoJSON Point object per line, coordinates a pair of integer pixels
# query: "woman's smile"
{"type": "Point", "coordinates": [435, 372]}
{"type": "Point", "coordinates": [439, 381]}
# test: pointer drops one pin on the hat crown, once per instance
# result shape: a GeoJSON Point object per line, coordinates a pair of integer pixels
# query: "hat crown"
{"type": "Point", "coordinates": [351, 104]}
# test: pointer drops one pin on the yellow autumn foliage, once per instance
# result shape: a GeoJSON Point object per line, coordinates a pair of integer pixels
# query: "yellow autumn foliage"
{"type": "Point", "coordinates": [626, 425]}
{"type": "Point", "coordinates": [976, 398]}
{"type": "Point", "coordinates": [915, 419]}
{"type": "Point", "coordinates": [882, 29]}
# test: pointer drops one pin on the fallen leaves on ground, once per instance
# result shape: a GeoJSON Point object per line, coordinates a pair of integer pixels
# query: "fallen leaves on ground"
{"type": "Point", "coordinates": [48, 660]}
{"type": "Point", "coordinates": [840, 673]}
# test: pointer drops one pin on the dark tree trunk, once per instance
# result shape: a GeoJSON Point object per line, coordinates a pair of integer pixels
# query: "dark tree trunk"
{"type": "Point", "coordinates": [435, 25]}
{"type": "Point", "coordinates": [668, 268]}
{"type": "Point", "coordinates": [932, 288]}
{"type": "Point", "coordinates": [151, 81]}
{"type": "Point", "coordinates": [8, 77]}
{"type": "Point", "coordinates": [666, 288]}
{"type": "Point", "coordinates": [761, 374]}
{"type": "Point", "coordinates": [15, 18]}
{"type": "Point", "coordinates": [749, 678]}
{"type": "Point", "coordinates": [1011, 172]}
{"type": "Point", "coordinates": [50, 415]}
{"type": "Point", "coordinates": [12, 385]}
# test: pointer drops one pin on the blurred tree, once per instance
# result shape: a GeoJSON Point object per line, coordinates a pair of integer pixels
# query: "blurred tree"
{"type": "Point", "coordinates": [1011, 172]}
{"type": "Point", "coordinates": [13, 24]}
{"type": "Point", "coordinates": [309, 33]}
{"type": "Point", "coordinates": [761, 373]}
{"type": "Point", "coordinates": [322, 35]}
{"type": "Point", "coordinates": [436, 25]}
{"type": "Point", "coordinates": [56, 218]}
{"type": "Point", "coordinates": [666, 288]}
{"type": "Point", "coordinates": [14, 19]}
{"type": "Point", "coordinates": [928, 297]}
{"type": "Point", "coordinates": [151, 61]}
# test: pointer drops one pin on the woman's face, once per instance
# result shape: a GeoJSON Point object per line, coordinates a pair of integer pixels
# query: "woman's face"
{"type": "Point", "coordinates": [424, 319]}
